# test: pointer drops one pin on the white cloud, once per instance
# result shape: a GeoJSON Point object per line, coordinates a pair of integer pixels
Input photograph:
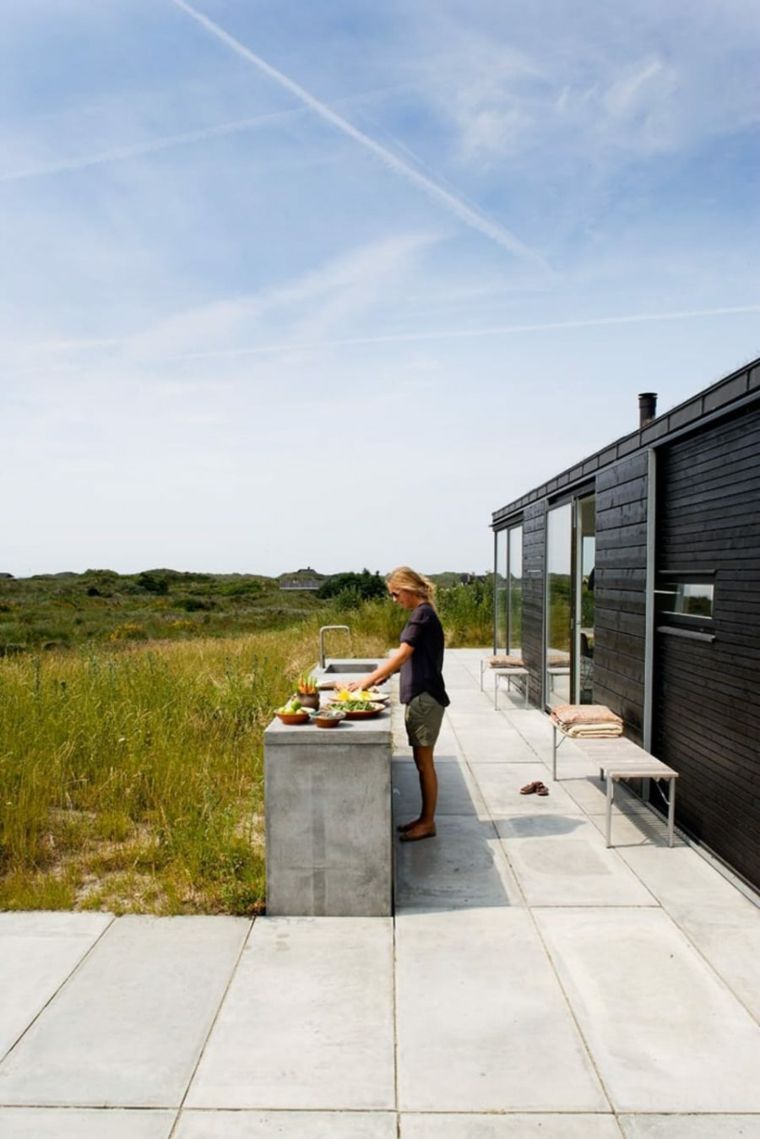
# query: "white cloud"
{"type": "Point", "coordinates": [608, 82]}
{"type": "Point", "coordinates": [305, 309]}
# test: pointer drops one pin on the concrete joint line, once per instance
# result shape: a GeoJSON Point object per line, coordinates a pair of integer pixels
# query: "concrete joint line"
{"type": "Point", "coordinates": [66, 980]}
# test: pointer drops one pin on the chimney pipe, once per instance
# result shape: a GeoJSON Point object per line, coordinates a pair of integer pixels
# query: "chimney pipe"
{"type": "Point", "coordinates": [647, 408]}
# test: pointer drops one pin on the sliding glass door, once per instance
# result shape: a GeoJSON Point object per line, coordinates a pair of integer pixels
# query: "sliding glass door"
{"type": "Point", "coordinates": [507, 601]}
{"type": "Point", "coordinates": [569, 611]}
{"type": "Point", "coordinates": [515, 591]}
{"type": "Point", "coordinates": [559, 603]}
{"type": "Point", "coordinates": [583, 636]}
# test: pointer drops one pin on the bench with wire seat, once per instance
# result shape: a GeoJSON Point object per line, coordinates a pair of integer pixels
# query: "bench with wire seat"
{"type": "Point", "coordinates": [617, 758]}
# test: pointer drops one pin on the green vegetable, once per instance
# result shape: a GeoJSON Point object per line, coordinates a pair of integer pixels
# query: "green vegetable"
{"type": "Point", "coordinates": [355, 705]}
{"type": "Point", "coordinates": [293, 705]}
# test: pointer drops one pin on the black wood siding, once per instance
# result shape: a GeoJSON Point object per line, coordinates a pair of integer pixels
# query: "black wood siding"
{"type": "Point", "coordinates": [620, 589]}
{"type": "Point", "coordinates": [707, 695]}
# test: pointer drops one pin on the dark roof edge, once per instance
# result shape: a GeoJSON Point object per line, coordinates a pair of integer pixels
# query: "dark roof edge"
{"type": "Point", "coordinates": [734, 389]}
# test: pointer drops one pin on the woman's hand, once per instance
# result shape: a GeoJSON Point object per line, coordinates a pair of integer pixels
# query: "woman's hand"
{"type": "Point", "coordinates": [354, 684]}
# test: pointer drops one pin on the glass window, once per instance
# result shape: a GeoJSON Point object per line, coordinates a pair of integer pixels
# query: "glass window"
{"type": "Point", "coordinates": [559, 525]}
{"type": "Point", "coordinates": [514, 604]}
{"type": "Point", "coordinates": [501, 634]}
{"type": "Point", "coordinates": [695, 599]}
{"type": "Point", "coordinates": [686, 599]}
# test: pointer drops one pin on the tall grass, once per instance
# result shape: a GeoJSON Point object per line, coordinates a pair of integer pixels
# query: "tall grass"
{"type": "Point", "coordinates": [466, 612]}
{"type": "Point", "coordinates": [131, 775]}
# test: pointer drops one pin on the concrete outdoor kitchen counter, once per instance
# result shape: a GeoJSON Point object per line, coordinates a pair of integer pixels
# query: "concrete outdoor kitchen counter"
{"type": "Point", "coordinates": [327, 795]}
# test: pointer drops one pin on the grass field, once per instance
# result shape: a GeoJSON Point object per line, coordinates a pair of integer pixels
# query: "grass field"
{"type": "Point", "coordinates": [131, 769]}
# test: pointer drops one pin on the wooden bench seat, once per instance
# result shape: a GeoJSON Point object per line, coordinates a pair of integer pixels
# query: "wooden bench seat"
{"type": "Point", "coordinates": [488, 664]}
{"type": "Point", "coordinates": [619, 758]}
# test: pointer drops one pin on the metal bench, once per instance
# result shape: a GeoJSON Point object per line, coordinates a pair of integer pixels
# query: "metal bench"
{"type": "Point", "coordinates": [508, 671]}
{"type": "Point", "coordinates": [620, 758]}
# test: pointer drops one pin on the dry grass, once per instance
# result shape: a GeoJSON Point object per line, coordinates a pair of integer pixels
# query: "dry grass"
{"type": "Point", "coordinates": [131, 777]}
{"type": "Point", "coordinates": [132, 781]}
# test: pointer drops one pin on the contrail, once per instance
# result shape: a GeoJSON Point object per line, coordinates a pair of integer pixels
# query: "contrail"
{"type": "Point", "coordinates": [164, 143]}
{"type": "Point", "coordinates": [393, 338]}
{"type": "Point", "coordinates": [465, 333]}
{"type": "Point", "coordinates": [456, 206]}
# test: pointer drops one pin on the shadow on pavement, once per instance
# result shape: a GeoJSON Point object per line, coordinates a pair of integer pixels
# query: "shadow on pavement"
{"type": "Point", "coordinates": [464, 867]}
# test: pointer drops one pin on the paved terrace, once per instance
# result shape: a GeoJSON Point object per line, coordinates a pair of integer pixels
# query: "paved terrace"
{"type": "Point", "coordinates": [533, 983]}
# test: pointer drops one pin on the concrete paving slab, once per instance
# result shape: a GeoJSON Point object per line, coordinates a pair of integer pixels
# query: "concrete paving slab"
{"type": "Point", "coordinates": [482, 1022]}
{"type": "Point", "coordinates": [635, 829]}
{"type": "Point", "coordinates": [463, 867]}
{"type": "Point", "coordinates": [722, 923]}
{"type": "Point", "coordinates": [480, 714]}
{"type": "Point", "coordinates": [562, 860]}
{"type": "Point", "coordinates": [458, 793]}
{"type": "Point", "coordinates": [489, 745]}
{"type": "Point", "coordinates": [666, 1034]}
{"type": "Point", "coordinates": [38, 951]}
{"type": "Point", "coordinates": [84, 1123]}
{"type": "Point", "coordinates": [446, 744]}
{"type": "Point", "coordinates": [500, 785]}
{"type": "Point", "coordinates": [478, 750]}
{"type": "Point", "coordinates": [690, 1126]}
{"type": "Point", "coordinates": [572, 766]}
{"type": "Point", "coordinates": [286, 1125]}
{"type": "Point", "coordinates": [681, 878]}
{"type": "Point", "coordinates": [513, 1125]}
{"type": "Point", "coordinates": [590, 793]}
{"type": "Point", "coordinates": [128, 1028]}
{"type": "Point", "coordinates": [307, 1022]}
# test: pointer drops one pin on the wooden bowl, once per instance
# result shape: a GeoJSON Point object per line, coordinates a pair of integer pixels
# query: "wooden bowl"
{"type": "Point", "coordinates": [293, 717]}
{"type": "Point", "coordinates": [328, 721]}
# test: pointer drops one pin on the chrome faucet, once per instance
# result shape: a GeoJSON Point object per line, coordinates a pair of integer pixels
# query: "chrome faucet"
{"type": "Point", "coordinates": [322, 632]}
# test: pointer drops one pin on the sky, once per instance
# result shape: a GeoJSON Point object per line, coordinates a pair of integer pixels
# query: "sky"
{"type": "Point", "coordinates": [289, 284]}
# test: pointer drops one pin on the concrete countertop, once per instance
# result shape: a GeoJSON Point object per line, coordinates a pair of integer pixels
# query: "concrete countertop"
{"type": "Point", "coordinates": [348, 731]}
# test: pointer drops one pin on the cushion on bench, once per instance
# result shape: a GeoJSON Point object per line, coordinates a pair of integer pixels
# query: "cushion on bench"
{"type": "Point", "coordinates": [506, 662]}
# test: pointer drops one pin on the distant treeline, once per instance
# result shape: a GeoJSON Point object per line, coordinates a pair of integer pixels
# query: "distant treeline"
{"type": "Point", "coordinates": [58, 611]}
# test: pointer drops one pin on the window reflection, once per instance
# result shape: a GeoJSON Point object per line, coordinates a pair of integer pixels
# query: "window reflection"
{"type": "Point", "coordinates": [514, 638]}
{"type": "Point", "coordinates": [684, 600]}
{"type": "Point", "coordinates": [500, 593]}
{"type": "Point", "coordinates": [558, 603]}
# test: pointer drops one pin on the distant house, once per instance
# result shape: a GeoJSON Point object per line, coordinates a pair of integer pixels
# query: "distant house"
{"type": "Point", "coordinates": [633, 580]}
{"type": "Point", "coordinates": [302, 580]}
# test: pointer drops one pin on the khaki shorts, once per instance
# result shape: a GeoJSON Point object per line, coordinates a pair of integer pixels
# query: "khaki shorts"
{"type": "Point", "coordinates": [423, 718]}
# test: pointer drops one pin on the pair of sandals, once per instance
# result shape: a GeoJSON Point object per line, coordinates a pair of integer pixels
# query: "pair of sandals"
{"type": "Point", "coordinates": [537, 788]}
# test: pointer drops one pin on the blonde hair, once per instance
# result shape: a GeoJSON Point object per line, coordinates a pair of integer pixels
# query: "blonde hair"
{"type": "Point", "coordinates": [405, 578]}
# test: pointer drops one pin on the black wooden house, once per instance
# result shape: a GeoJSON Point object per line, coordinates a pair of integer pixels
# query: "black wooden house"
{"type": "Point", "coordinates": [633, 580]}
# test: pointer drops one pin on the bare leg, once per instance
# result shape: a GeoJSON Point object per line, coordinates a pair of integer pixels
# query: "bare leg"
{"type": "Point", "coordinates": [425, 824]}
{"type": "Point", "coordinates": [423, 757]}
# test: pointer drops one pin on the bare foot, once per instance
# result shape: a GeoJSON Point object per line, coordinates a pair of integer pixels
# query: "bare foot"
{"type": "Point", "coordinates": [418, 832]}
{"type": "Point", "coordinates": [402, 828]}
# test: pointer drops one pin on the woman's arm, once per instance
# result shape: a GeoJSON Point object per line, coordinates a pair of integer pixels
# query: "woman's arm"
{"type": "Point", "coordinates": [386, 669]}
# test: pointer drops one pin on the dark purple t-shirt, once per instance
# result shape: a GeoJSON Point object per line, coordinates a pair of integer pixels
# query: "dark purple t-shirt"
{"type": "Point", "coordinates": [422, 672]}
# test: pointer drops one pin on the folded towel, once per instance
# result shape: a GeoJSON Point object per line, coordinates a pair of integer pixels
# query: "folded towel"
{"type": "Point", "coordinates": [567, 714]}
{"type": "Point", "coordinates": [506, 662]}
{"type": "Point", "coordinates": [593, 731]}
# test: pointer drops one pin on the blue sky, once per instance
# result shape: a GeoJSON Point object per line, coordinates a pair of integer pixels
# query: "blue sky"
{"type": "Point", "coordinates": [287, 283]}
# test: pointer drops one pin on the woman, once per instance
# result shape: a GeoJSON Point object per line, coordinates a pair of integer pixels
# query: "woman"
{"type": "Point", "coordinates": [419, 658]}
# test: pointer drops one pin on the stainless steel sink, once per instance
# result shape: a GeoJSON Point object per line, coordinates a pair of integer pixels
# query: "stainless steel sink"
{"type": "Point", "coordinates": [359, 666]}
